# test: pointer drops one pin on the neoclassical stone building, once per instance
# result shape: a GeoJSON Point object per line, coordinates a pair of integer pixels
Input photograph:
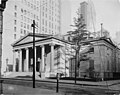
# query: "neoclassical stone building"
{"type": "Point", "coordinates": [104, 60]}
{"type": "Point", "coordinates": [50, 55]}
{"type": "Point", "coordinates": [54, 55]}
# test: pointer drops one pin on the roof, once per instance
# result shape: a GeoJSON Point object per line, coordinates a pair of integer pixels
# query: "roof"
{"type": "Point", "coordinates": [38, 37]}
{"type": "Point", "coordinates": [108, 40]}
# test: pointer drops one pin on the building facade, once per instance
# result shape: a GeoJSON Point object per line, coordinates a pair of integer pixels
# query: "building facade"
{"type": "Point", "coordinates": [50, 55]}
{"type": "Point", "coordinates": [54, 55]}
{"type": "Point", "coordinates": [18, 17]}
{"type": "Point", "coordinates": [50, 17]}
{"type": "Point", "coordinates": [103, 62]}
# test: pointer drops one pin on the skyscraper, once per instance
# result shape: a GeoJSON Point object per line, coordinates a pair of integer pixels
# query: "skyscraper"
{"type": "Point", "coordinates": [88, 12]}
{"type": "Point", "coordinates": [18, 17]}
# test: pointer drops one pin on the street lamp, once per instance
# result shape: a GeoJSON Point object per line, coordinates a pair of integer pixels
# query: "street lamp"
{"type": "Point", "coordinates": [2, 7]}
{"type": "Point", "coordinates": [7, 64]}
{"type": "Point", "coordinates": [33, 25]}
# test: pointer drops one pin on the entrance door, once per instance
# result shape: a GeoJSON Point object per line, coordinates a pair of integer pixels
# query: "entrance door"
{"type": "Point", "coordinates": [37, 66]}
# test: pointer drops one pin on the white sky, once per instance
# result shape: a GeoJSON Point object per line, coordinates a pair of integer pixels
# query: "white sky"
{"type": "Point", "coordinates": [107, 12]}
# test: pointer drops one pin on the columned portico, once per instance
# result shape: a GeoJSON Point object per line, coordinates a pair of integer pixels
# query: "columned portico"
{"type": "Point", "coordinates": [45, 54]}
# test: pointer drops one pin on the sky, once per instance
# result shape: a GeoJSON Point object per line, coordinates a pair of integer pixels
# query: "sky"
{"type": "Point", "coordinates": [107, 12]}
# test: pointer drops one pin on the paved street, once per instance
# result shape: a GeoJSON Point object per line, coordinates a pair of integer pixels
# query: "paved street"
{"type": "Point", "coordinates": [23, 87]}
{"type": "Point", "coordinates": [9, 89]}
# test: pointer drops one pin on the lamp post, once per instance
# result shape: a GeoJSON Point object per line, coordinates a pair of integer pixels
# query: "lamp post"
{"type": "Point", "coordinates": [33, 25]}
{"type": "Point", "coordinates": [7, 64]}
{"type": "Point", "coordinates": [2, 7]}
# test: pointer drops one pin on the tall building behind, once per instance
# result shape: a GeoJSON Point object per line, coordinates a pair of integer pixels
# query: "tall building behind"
{"type": "Point", "coordinates": [117, 38]}
{"type": "Point", "coordinates": [65, 16]}
{"type": "Point", "coordinates": [88, 12]}
{"type": "Point", "coordinates": [18, 17]}
{"type": "Point", "coordinates": [50, 16]}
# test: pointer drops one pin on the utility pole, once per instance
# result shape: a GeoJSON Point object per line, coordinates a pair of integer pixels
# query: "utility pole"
{"type": "Point", "coordinates": [33, 25]}
{"type": "Point", "coordinates": [2, 7]}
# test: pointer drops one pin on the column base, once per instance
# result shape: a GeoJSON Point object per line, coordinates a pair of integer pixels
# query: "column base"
{"type": "Point", "coordinates": [52, 74]}
{"type": "Point", "coordinates": [43, 75]}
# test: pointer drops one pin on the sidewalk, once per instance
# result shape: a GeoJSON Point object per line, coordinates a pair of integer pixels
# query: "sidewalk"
{"type": "Point", "coordinates": [10, 89]}
{"type": "Point", "coordinates": [87, 83]}
{"type": "Point", "coordinates": [84, 83]}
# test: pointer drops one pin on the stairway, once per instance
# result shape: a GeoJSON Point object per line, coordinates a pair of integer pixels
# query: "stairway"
{"type": "Point", "coordinates": [23, 75]}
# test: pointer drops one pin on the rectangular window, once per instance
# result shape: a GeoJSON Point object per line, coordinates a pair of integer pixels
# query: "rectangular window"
{"type": "Point", "coordinates": [14, 36]}
{"type": "Point", "coordinates": [21, 24]}
{"type": "Point", "coordinates": [24, 25]}
{"type": "Point", "coordinates": [46, 15]}
{"type": "Point", "coordinates": [15, 7]}
{"type": "Point", "coordinates": [43, 13]}
{"type": "Point", "coordinates": [49, 25]}
{"type": "Point", "coordinates": [24, 31]}
{"type": "Point", "coordinates": [108, 65]}
{"type": "Point", "coordinates": [52, 18]}
{"type": "Point", "coordinates": [22, 17]}
{"type": "Point", "coordinates": [21, 31]}
{"type": "Point", "coordinates": [34, 7]}
{"type": "Point", "coordinates": [22, 10]}
{"type": "Point", "coordinates": [46, 22]}
{"type": "Point", "coordinates": [37, 9]}
{"type": "Point", "coordinates": [91, 50]}
{"type": "Point", "coordinates": [27, 26]}
{"type": "Point", "coordinates": [28, 4]}
{"type": "Point", "coordinates": [15, 14]}
{"type": "Point", "coordinates": [28, 20]}
{"type": "Point", "coordinates": [43, 21]}
{"type": "Point", "coordinates": [46, 30]}
{"type": "Point", "coordinates": [15, 29]}
{"type": "Point", "coordinates": [15, 22]}
{"type": "Point", "coordinates": [52, 25]}
{"type": "Point", "coordinates": [42, 28]}
{"type": "Point", "coordinates": [31, 5]}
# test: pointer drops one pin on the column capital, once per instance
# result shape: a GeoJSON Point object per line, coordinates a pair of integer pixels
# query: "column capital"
{"type": "Point", "coordinates": [20, 49]}
{"type": "Point", "coordinates": [14, 50]}
{"type": "Point", "coordinates": [42, 45]}
{"type": "Point", "coordinates": [52, 44]}
{"type": "Point", "coordinates": [26, 48]}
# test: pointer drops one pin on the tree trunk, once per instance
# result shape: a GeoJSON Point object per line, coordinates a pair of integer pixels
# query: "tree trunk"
{"type": "Point", "coordinates": [76, 64]}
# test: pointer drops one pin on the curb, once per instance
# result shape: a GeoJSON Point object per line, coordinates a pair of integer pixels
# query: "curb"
{"type": "Point", "coordinates": [53, 81]}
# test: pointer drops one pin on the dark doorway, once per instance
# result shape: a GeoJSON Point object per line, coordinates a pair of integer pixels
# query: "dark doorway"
{"type": "Point", "coordinates": [37, 66]}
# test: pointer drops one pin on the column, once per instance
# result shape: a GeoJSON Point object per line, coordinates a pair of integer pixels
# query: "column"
{"type": "Point", "coordinates": [27, 60]}
{"type": "Point", "coordinates": [20, 60]}
{"type": "Point", "coordinates": [43, 61]}
{"type": "Point", "coordinates": [52, 57]}
{"type": "Point", "coordinates": [14, 61]}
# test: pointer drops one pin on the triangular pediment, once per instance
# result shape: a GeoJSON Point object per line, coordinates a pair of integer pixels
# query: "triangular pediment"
{"type": "Point", "coordinates": [26, 39]}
